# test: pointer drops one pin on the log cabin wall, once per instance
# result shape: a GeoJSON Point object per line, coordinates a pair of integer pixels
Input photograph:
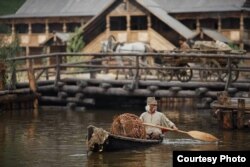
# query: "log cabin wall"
{"type": "Point", "coordinates": [234, 25]}
{"type": "Point", "coordinates": [128, 22]}
{"type": "Point", "coordinates": [33, 32]}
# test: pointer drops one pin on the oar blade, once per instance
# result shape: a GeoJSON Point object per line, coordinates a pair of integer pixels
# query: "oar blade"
{"type": "Point", "coordinates": [202, 136]}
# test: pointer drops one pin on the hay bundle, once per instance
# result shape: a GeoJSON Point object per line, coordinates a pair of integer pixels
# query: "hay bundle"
{"type": "Point", "coordinates": [128, 125]}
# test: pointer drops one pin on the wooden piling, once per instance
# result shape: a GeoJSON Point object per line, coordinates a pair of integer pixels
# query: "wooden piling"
{"type": "Point", "coordinates": [227, 119]}
{"type": "Point", "coordinates": [240, 113]}
{"type": "Point", "coordinates": [32, 82]}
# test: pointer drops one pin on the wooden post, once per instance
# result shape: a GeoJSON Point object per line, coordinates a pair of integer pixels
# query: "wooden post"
{"type": "Point", "coordinates": [240, 113]}
{"type": "Point", "coordinates": [13, 28]}
{"type": "Point", "coordinates": [128, 27]}
{"type": "Point", "coordinates": [29, 28]}
{"type": "Point", "coordinates": [149, 27]}
{"type": "Point", "coordinates": [13, 77]}
{"type": "Point", "coordinates": [198, 28]}
{"type": "Point", "coordinates": [241, 30]}
{"type": "Point", "coordinates": [82, 22]}
{"type": "Point", "coordinates": [227, 119]}
{"type": "Point", "coordinates": [229, 71]}
{"type": "Point", "coordinates": [64, 27]}
{"type": "Point", "coordinates": [47, 28]}
{"type": "Point", "coordinates": [219, 24]}
{"type": "Point", "coordinates": [137, 72]}
{"type": "Point", "coordinates": [57, 79]}
{"type": "Point", "coordinates": [48, 49]}
{"type": "Point", "coordinates": [32, 81]}
{"type": "Point", "coordinates": [31, 77]}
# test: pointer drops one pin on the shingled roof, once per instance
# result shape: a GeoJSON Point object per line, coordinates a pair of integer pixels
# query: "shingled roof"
{"type": "Point", "coordinates": [213, 34]}
{"type": "Point", "coordinates": [156, 9]}
{"type": "Point", "coordinates": [186, 6]}
{"type": "Point", "coordinates": [52, 8]}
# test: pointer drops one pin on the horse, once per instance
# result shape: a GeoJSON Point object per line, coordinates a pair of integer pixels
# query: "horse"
{"type": "Point", "coordinates": [111, 46]}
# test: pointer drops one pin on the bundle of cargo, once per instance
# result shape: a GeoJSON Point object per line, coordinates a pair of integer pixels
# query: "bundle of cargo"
{"type": "Point", "coordinates": [128, 125]}
{"type": "Point", "coordinates": [211, 45]}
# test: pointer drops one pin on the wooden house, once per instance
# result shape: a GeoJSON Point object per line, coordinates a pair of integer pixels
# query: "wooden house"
{"type": "Point", "coordinates": [37, 22]}
{"type": "Point", "coordinates": [135, 20]}
{"type": "Point", "coordinates": [158, 22]}
{"type": "Point", "coordinates": [228, 17]}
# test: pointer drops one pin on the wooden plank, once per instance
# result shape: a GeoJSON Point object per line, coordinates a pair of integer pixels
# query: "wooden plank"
{"type": "Point", "coordinates": [95, 45]}
{"type": "Point", "coordinates": [158, 42]}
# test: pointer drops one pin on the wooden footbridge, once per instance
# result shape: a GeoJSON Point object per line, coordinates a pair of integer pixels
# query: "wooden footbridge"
{"type": "Point", "coordinates": [87, 77]}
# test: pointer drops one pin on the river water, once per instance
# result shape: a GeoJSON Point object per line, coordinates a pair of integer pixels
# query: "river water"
{"type": "Point", "coordinates": [47, 138]}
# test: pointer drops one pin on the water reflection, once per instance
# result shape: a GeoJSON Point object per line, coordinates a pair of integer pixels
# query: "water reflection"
{"type": "Point", "coordinates": [57, 138]}
{"type": "Point", "coordinates": [139, 158]}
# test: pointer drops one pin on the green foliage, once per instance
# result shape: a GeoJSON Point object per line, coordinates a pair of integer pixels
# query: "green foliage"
{"type": "Point", "coordinates": [75, 44]}
{"type": "Point", "coordinates": [4, 29]}
{"type": "Point", "coordinates": [10, 6]}
{"type": "Point", "coordinates": [233, 46]}
{"type": "Point", "coordinates": [9, 50]}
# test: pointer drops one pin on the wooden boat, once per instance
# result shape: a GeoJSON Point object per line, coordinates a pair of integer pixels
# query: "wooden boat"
{"type": "Point", "coordinates": [100, 140]}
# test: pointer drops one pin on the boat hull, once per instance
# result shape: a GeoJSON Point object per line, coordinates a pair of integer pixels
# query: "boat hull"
{"type": "Point", "coordinates": [116, 143]}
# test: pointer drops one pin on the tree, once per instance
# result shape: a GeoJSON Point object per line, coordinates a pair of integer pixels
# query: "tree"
{"type": "Point", "coordinates": [9, 50]}
{"type": "Point", "coordinates": [75, 43]}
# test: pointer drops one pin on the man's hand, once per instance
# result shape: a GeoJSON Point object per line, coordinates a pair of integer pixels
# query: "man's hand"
{"type": "Point", "coordinates": [174, 127]}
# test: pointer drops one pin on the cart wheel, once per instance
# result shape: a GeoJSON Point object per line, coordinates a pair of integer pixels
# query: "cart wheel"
{"type": "Point", "coordinates": [165, 75]}
{"type": "Point", "coordinates": [210, 75]}
{"type": "Point", "coordinates": [184, 75]}
{"type": "Point", "coordinates": [234, 73]}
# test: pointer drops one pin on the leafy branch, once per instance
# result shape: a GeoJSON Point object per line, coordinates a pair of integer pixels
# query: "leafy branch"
{"type": "Point", "coordinates": [9, 49]}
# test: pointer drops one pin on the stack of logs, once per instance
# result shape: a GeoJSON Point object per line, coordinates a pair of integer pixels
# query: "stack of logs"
{"type": "Point", "coordinates": [77, 93]}
{"type": "Point", "coordinates": [61, 96]}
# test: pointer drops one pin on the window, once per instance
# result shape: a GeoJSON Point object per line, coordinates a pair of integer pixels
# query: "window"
{"type": "Point", "coordinates": [247, 23]}
{"type": "Point", "coordinates": [118, 23]}
{"type": "Point", "coordinates": [72, 26]}
{"type": "Point", "coordinates": [22, 28]}
{"type": "Point", "coordinates": [209, 23]}
{"type": "Point", "coordinates": [230, 23]}
{"type": "Point", "coordinates": [38, 28]}
{"type": "Point", "coordinates": [190, 23]}
{"type": "Point", "coordinates": [138, 22]}
{"type": "Point", "coordinates": [55, 27]}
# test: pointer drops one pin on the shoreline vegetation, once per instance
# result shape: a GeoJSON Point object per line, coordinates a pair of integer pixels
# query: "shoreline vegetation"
{"type": "Point", "coordinates": [10, 6]}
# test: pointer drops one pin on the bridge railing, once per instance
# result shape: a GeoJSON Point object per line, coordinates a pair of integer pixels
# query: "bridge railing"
{"type": "Point", "coordinates": [92, 63]}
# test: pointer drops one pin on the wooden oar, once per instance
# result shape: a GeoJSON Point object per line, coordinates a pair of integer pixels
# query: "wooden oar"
{"type": "Point", "coordinates": [195, 134]}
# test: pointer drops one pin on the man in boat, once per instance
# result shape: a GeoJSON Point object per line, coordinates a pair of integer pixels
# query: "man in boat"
{"type": "Point", "coordinates": [152, 116]}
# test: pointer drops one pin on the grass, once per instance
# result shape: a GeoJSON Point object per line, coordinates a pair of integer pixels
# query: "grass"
{"type": "Point", "coordinates": [10, 6]}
